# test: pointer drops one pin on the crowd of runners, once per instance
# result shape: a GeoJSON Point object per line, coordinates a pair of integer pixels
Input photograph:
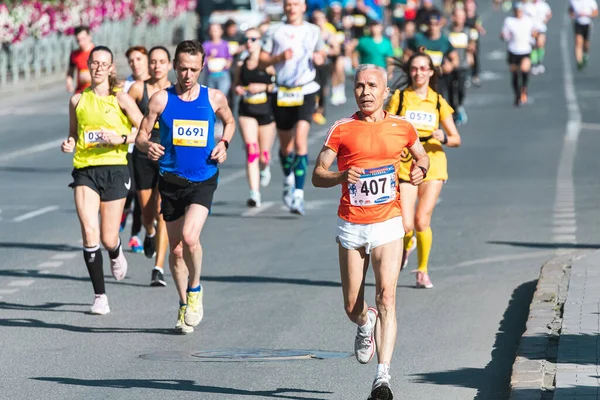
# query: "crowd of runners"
{"type": "Point", "coordinates": [147, 147]}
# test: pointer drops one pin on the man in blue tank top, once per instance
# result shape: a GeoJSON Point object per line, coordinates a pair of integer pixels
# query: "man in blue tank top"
{"type": "Point", "coordinates": [188, 164]}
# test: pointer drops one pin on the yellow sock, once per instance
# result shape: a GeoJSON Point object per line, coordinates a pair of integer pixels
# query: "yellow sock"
{"type": "Point", "coordinates": [424, 241]}
{"type": "Point", "coordinates": [407, 238]}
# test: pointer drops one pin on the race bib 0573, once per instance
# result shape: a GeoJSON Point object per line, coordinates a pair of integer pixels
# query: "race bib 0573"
{"type": "Point", "coordinates": [190, 133]}
{"type": "Point", "coordinates": [376, 186]}
{"type": "Point", "coordinates": [421, 119]}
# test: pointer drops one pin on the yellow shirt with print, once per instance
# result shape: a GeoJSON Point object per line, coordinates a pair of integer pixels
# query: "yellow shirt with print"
{"type": "Point", "coordinates": [95, 113]}
{"type": "Point", "coordinates": [424, 115]}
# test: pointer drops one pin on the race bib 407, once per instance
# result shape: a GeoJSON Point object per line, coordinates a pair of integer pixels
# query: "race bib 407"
{"type": "Point", "coordinates": [190, 133]}
{"type": "Point", "coordinates": [376, 186]}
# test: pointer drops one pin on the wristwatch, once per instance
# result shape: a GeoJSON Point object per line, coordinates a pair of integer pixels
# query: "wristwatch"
{"type": "Point", "coordinates": [226, 143]}
{"type": "Point", "coordinates": [124, 138]}
{"type": "Point", "coordinates": [424, 171]}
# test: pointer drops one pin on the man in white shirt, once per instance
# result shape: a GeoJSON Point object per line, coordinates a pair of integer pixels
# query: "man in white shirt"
{"type": "Point", "coordinates": [540, 12]}
{"type": "Point", "coordinates": [582, 12]}
{"type": "Point", "coordinates": [519, 31]}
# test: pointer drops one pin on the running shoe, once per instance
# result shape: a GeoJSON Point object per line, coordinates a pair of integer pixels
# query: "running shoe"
{"type": "Point", "coordinates": [288, 195]}
{"type": "Point", "coordinates": [541, 69]}
{"type": "Point", "coordinates": [254, 199]}
{"type": "Point", "coordinates": [476, 81]}
{"type": "Point", "coordinates": [124, 219]}
{"type": "Point", "coordinates": [381, 386]}
{"type": "Point", "coordinates": [319, 119]}
{"type": "Point", "coordinates": [406, 253]}
{"type": "Point", "coordinates": [265, 176]}
{"type": "Point", "coordinates": [180, 325]}
{"type": "Point", "coordinates": [535, 70]}
{"type": "Point", "coordinates": [297, 206]}
{"type": "Point", "coordinates": [157, 278]}
{"type": "Point", "coordinates": [194, 311]}
{"type": "Point", "coordinates": [364, 343]}
{"type": "Point", "coordinates": [149, 246]}
{"type": "Point", "coordinates": [100, 306]}
{"type": "Point", "coordinates": [118, 266]}
{"type": "Point", "coordinates": [135, 244]}
{"type": "Point", "coordinates": [462, 113]}
{"type": "Point", "coordinates": [523, 98]}
{"type": "Point", "coordinates": [423, 281]}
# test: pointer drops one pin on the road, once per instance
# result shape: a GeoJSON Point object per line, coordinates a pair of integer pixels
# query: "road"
{"type": "Point", "coordinates": [518, 191]}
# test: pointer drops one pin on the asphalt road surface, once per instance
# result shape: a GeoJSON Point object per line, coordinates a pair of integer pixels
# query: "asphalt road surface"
{"type": "Point", "coordinates": [523, 184]}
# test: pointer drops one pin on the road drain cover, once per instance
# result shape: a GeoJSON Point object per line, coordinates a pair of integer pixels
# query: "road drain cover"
{"type": "Point", "coordinates": [245, 355]}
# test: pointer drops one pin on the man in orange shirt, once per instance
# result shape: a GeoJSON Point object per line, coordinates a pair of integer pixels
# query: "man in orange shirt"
{"type": "Point", "coordinates": [368, 147]}
{"type": "Point", "coordinates": [78, 60]}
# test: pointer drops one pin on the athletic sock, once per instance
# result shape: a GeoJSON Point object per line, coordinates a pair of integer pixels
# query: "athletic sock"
{"type": "Point", "coordinates": [196, 289]}
{"type": "Point", "coordinates": [525, 79]}
{"type": "Point", "coordinates": [300, 165]}
{"type": "Point", "coordinates": [541, 55]}
{"type": "Point", "coordinates": [424, 241]}
{"type": "Point", "coordinates": [515, 82]}
{"type": "Point", "coordinates": [93, 261]}
{"type": "Point", "coordinates": [407, 238]}
{"type": "Point", "coordinates": [286, 163]}
{"type": "Point", "coordinates": [534, 57]}
{"type": "Point", "coordinates": [114, 253]}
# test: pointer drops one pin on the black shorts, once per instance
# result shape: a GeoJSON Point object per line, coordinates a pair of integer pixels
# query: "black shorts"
{"type": "Point", "coordinates": [145, 171]}
{"type": "Point", "coordinates": [111, 182]}
{"type": "Point", "coordinates": [177, 197]}
{"type": "Point", "coordinates": [287, 117]}
{"type": "Point", "coordinates": [515, 59]}
{"type": "Point", "coordinates": [261, 119]}
{"type": "Point", "coordinates": [583, 30]}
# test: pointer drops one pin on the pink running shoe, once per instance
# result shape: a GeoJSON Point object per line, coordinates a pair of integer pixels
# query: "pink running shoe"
{"type": "Point", "coordinates": [118, 266]}
{"type": "Point", "coordinates": [423, 281]}
{"type": "Point", "coordinates": [406, 253]}
{"type": "Point", "coordinates": [100, 306]}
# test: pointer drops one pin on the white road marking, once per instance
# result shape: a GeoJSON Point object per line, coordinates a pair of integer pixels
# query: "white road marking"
{"type": "Point", "coordinates": [257, 210]}
{"type": "Point", "coordinates": [565, 192]}
{"type": "Point", "coordinates": [22, 283]}
{"type": "Point", "coordinates": [499, 259]}
{"type": "Point", "coordinates": [46, 272]}
{"type": "Point", "coordinates": [50, 264]}
{"type": "Point", "coordinates": [490, 76]}
{"type": "Point", "coordinates": [64, 256]}
{"type": "Point", "coordinates": [54, 144]}
{"type": "Point", "coordinates": [585, 125]}
{"type": "Point", "coordinates": [496, 55]}
{"type": "Point", "coordinates": [8, 291]}
{"type": "Point", "coordinates": [35, 213]}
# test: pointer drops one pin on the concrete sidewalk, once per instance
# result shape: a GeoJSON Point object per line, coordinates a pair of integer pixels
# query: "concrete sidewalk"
{"type": "Point", "coordinates": [559, 354]}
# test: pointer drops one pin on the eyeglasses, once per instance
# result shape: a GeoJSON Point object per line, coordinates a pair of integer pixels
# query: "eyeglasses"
{"type": "Point", "coordinates": [251, 39]}
{"type": "Point", "coordinates": [422, 68]}
{"type": "Point", "coordinates": [97, 64]}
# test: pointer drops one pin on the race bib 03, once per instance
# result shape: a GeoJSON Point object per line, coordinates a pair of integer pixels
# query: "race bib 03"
{"type": "Point", "coordinates": [376, 186]}
{"type": "Point", "coordinates": [190, 133]}
{"type": "Point", "coordinates": [437, 57]}
{"type": "Point", "coordinates": [92, 137]}
{"type": "Point", "coordinates": [289, 97]}
{"type": "Point", "coordinates": [421, 119]}
{"type": "Point", "coordinates": [256, 98]}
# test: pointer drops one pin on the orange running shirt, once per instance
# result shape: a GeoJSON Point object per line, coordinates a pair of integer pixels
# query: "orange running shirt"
{"type": "Point", "coordinates": [376, 147]}
{"type": "Point", "coordinates": [78, 60]}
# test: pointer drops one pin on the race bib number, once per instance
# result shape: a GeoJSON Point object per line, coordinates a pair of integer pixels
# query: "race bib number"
{"type": "Point", "coordinates": [92, 137]}
{"type": "Point", "coordinates": [376, 186]}
{"type": "Point", "coordinates": [216, 64]}
{"type": "Point", "coordinates": [289, 97]}
{"type": "Point", "coordinates": [421, 119]}
{"type": "Point", "coordinates": [190, 133]}
{"type": "Point", "coordinates": [360, 20]}
{"type": "Point", "coordinates": [437, 57]}
{"type": "Point", "coordinates": [256, 98]}
{"type": "Point", "coordinates": [459, 40]}
{"type": "Point", "coordinates": [233, 47]}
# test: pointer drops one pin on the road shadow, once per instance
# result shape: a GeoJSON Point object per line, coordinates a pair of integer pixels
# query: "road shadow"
{"type": "Point", "coordinates": [34, 273]}
{"type": "Point", "coordinates": [236, 215]}
{"type": "Point", "coordinates": [40, 246]}
{"type": "Point", "coordinates": [493, 381]}
{"type": "Point", "coordinates": [269, 279]}
{"type": "Point", "coordinates": [540, 245]}
{"type": "Point", "coordinates": [36, 170]}
{"type": "Point", "coordinates": [36, 323]}
{"type": "Point", "coordinates": [186, 386]}
{"type": "Point", "coordinates": [47, 307]}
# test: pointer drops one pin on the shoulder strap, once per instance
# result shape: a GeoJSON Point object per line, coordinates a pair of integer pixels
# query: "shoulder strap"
{"type": "Point", "coordinates": [438, 106]}
{"type": "Point", "coordinates": [400, 102]}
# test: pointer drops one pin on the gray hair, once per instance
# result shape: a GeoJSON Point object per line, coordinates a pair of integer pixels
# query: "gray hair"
{"type": "Point", "coordinates": [365, 67]}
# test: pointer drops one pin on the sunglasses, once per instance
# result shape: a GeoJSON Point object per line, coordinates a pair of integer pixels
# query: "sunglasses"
{"type": "Point", "coordinates": [251, 39]}
{"type": "Point", "coordinates": [422, 68]}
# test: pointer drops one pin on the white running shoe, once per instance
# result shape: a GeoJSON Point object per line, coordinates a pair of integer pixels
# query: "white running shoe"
{"type": "Point", "coordinates": [297, 206]}
{"type": "Point", "coordinates": [181, 326]}
{"type": "Point", "coordinates": [364, 343]}
{"type": "Point", "coordinates": [194, 311]}
{"type": "Point", "coordinates": [541, 69]}
{"type": "Point", "coordinates": [100, 306]}
{"type": "Point", "coordinates": [381, 386]}
{"type": "Point", "coordinates": [118, 266]}
{"type": "Point", "coordinates": [254, 199]}
{"type": "Point", "coordinates": [265, 176]}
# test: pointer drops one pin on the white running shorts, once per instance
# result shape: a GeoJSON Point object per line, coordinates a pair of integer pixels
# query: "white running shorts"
{"type": "Point", "coordinates": [354, 236]}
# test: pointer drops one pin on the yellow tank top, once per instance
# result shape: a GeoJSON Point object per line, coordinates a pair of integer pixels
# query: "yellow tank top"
{"type": "Point", "coordinates": [93, 113]}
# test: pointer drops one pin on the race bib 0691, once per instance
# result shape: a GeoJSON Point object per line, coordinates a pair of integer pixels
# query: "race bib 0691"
{"type": "Point", "coordinates": [421, 119]}
{"type": "Point", "coordinates": [376, 186]}
{"type": "Point", "coordinates": [190, 133]}
{"type": "Point", "coordinates": [289, 97]}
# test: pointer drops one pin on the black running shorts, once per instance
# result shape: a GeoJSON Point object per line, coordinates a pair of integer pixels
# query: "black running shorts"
{"type": "Point", "coordinates": [145, 171]}
{"type": "Point", "coordinates": [111, 182]}
{"type": "Point", "coordinates": [287, 117]}
{"type": "Point", "coordinates": [515, 59]}
{"type": "Point", "coordinates": [583, 30]}
{"type": "Point", "coordinates": [178, 196]}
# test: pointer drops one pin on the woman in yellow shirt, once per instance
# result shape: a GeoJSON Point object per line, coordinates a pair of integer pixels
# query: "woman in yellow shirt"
{"type": "Point", "coordinates": [100, 122]}
{"type": "Point", "coordinates": [426, 110]}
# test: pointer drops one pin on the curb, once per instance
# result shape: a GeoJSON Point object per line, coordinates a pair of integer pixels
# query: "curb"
{"type": "Point", "coordinates": [534, 368]}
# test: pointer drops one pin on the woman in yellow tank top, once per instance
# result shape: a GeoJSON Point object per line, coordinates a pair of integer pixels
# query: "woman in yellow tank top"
{"type": "Point", "coordinates": [100, 122]}
{"type": "Point", "coordinates": [426, 110]}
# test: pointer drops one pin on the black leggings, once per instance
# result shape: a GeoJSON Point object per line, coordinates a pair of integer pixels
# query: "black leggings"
{"type": "Point", "coordinates": [136, 223]}
{"type": "Point", "coordinates": [457, 88]}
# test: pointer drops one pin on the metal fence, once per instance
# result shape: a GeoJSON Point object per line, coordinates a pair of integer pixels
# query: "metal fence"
{"type": "Point", "coordinates": [36, 58]}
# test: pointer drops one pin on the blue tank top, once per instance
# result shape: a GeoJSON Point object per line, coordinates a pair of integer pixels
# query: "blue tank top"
{"type": "Point", "coordinates": [187, 133]}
